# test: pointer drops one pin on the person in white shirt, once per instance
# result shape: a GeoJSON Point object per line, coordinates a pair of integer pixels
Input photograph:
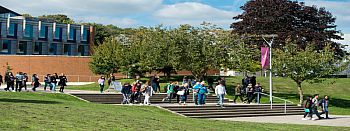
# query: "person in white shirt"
{"type": "Point", "coordinates": [220, 92]}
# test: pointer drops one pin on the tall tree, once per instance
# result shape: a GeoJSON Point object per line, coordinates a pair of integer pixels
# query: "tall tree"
{"type": "Point", "coordinates": [60, 18]}
{"type": "Point", "coordinates": [305, 64]}
{"type": "Point", "coordinates": [108, 58]}
{"type": "Point", "coordinates": [289, 19]}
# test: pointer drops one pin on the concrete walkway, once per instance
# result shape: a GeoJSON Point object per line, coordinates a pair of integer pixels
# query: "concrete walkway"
{"type": "Point", "coordinates": [295, 119]}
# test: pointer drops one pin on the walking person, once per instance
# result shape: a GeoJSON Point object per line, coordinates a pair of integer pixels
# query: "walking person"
{"type": "Point", "coordinates": [210, 84]}
{"type": "Point", "coordinates": [126, 91]}
{"type": "Point", "coordinates": [136, 92]}
{"type": "Point", "coordinates": [176, 89]}
{"type": "Point", "coordinates": [307, 107]}
{"type": "Point", "coordinates": [324, 103]}
{"type": "Point", "coordinates": [195, 90]}
{"type": "Point", "coordinates": [10, 82]}
{"type": "Point", "coordinates": [238, 93]}
{"type": "Point", "coordinates": [202, 91]}
{"type": "Point", "coordinates": [157, 81]}
{"type": "Point", "coordinates": [1, 81]}
{"type": "Point", "coordinates": [258, 91]}
{"type": "Point", "coordinates": [170, 92]}
{"type": "Point", "coordinates": [63, 82]}
{"type": "Point", "coordinates": [220, 92]}
{"type": "Point", "coordinates": [250, 93]}
{"type": "Point", "coordinates": [101, 83]}
{"type": "Point", "coordinates": [54, 79]}
{"type": "Point", "coordinates": [25, 80]}
{"type": "Point", "coordinates": [148, 91]}
{"type": "Point", "coordinates": [35, 82]}
{"type": "Point", "coordinates": [19, 81]}
{"type": "Point", "coordinates": [314, 107]}
{"type": "Point", "coordinates": [47, 81]}
{"type": "Point", "coordinates": [183, 92]}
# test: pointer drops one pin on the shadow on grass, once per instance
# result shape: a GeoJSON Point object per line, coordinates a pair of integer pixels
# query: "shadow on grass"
{"type": "Point", "coordinates": [29, 101]}
{"type": "Point", "coordinates": [342, 103]}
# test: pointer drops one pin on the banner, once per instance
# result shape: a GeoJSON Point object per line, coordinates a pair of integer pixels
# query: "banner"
{"type": "Point", "coordinates": [265, 57]}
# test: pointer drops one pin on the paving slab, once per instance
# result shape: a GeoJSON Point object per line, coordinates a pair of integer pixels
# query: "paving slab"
{"type": "Point", "coordinates": [336, 120]}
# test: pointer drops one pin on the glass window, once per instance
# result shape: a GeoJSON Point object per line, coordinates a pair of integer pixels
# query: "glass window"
{"type": "Point", "coordinates": [58, 33]}
{"type": "Point", "coordinates": [5, 46]}
{"type": "Point", "coordinates": [71, 34]}
{"type": "Point", "coordinates": [28, 32]}
{"type": "Point", "coordinates": [81, 50]}
{"type": "Point", "coordinates": [12, 29]}
{"type": "Point", "coordinates": [67, 49]}
{"type": "Point", "coordinates": [37, 47]}
{"type": "Point", "coordinates": [21, 47]}
{"type": "Point", "coordinates": [85, 35]}
{"type": "Point", "coordinates": [53, 49]}
{"type": "Point", "coordinates": [42, 33]}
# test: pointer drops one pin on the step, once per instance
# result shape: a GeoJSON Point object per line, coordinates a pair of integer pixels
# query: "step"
{"type": "Point", "coordinates": [235, 110]}
{"type": "Point", "coordinates": [230, 113]}
{"type": "Point", "coordinates": [247, 115]}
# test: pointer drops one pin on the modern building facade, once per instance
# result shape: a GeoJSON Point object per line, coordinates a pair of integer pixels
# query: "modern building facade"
{"type": "Point", "coordinates": [32, 36]}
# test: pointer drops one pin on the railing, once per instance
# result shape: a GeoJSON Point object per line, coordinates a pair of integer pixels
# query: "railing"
{"type": "Point", "coordinates": [285, 101]}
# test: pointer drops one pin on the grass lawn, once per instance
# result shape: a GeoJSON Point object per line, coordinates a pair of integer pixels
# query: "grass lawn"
{"type": "Point", "coordinates": [47, 111]}
{"type": "Point", "coordinates": [337, 89]}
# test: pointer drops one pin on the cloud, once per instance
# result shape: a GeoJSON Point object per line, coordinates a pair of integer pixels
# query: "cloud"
{"type": "Point", "coordinates": [193, 13]}
{"type": "Point", "coordinates": [117, 11]}
{"type": "Point", "coordinates": [339, 9]}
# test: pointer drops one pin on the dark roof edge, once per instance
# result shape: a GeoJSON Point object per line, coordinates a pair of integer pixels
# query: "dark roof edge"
{"type": "Point", "coordinates": [1, 7]}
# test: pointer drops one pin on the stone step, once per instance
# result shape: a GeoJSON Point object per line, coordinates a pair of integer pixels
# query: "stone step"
{"type": "Point", "coordinates": [247, 115]}
{"type": "Point", "coordinates": [237, 113]}
{"type": "Point", "coordinates": [236, 110]}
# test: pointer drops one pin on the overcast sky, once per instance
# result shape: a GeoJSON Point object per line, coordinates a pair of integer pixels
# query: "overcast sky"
{"type": "Point", "coordinates": [134, 13]}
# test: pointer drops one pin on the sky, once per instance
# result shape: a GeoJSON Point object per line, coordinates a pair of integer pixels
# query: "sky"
{"type": "Point", "coordinates": [170, 13]}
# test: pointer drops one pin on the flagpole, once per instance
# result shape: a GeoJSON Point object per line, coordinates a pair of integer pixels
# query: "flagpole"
{"type": "Point", "coordinates": [270, 64]}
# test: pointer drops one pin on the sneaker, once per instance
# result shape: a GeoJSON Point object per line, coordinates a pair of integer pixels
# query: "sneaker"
{"type": "Point", "coordinates": [314, 119]}
{"type": "Point", "coordinates": [303, 119]}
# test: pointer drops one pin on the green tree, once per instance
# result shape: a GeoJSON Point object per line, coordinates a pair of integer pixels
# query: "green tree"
{"type": "Point", "coordinates": [289, 20]}
{"type": "Point", "coordinates": [107, 58]}
{"type": "Point", "coordinates": [60, 18]}
{"type": "Point", "coordinates": [305, 64]}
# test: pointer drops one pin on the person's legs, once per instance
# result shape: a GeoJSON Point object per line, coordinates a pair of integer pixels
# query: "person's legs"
{"type": "Point", "coordinates": [146, 101]}
{"type": "Point", "coordinates": [25, 85]}
{"type": "Point", "coordinates": [101, 88]}
{"type": "Point", "coordinates": [170, 97]}
{"type": "Point", "coordinates": [17, 84]}
{"type": "Point", "coordinates": [158, 86]}
{"type": "Point", "coordinates": [45, 86]}
{"type": "Point", "coordinates": [314, 111]}
{"type": "Point", "coordinates": [222, 99]}
{"type": "Point", "coordinates": [199, 99]}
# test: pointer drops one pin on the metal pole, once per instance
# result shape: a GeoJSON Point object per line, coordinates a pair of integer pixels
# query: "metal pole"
{"type": "Point", "coordinates": [285, 107]}
{"type": "Point", "coordinates": [270, 62]}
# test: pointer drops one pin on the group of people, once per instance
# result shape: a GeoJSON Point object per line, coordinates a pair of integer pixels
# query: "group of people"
{"type": "Point", "coordinates": [250, 90]}
{"type": "Point", "coordinates": [16, 82]}
{"type": "Point", "coordinates": [312, 104]}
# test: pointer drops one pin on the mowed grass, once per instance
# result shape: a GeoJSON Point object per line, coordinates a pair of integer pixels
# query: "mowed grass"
{"type": "Point", "coordinates": [337, 89]}
{"type": "Point", "coordinates": [51, 111]}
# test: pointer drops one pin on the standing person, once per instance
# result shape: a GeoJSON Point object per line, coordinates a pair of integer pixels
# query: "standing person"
{"type": "Point", "coordinates": [126, 91]}
{"type": "Point", "coordinates": [258, 91]}
{"type": "Point", "coordinates": [136, 94]}
{"type": "Point", "coordinates": [53, 79]}
{"type": "Point", "coordinates": [314, 106]}
{"type": "Point", "coordinates": [250, 93]}
{"type": "Point", "coordinates": [157, 81]}
{"type": "Point", "coordinates": [176, 89]}
{"type": "Point", "coordinates": [220, 92]}
{"type": "Point", "coordinates": [19, 81]}
{"type": "Point", "coordinates": [1, 80]}
{"type": "Point", "coordinates": [210, 84]}
{"type": "Point", "coordinates": [324, 104]}
{"type": "Point", "coordinates": [170, 92]}
{"type": "Point", "coordinates": [195, 90]}
{"type": "Point", "coordinates": [101, 82]}
{"type": "Point", "coordinates": [188, 81]}
{"type": "Point", "coordinates": [202, 91]}
{"type": "Point", "coordinates": [148, 91]}
{"type": "Point", "coordinates": [25, 80]}
{"type": "Point", "coordinates": [307, 107]}
{"type": "Point", "coordinates": [63, 82]}
{"type": "Point", "coordinates": [154, 82]}
{"type": "Point", "coordinates": [185, 91]}
{"type": "Point", "coordinates": [238, 93]}
{"type": "Point", "coordinates": [110, 79]}
{"type": "Point", "coordinates": [47, 81]}
{"type": "Point", "coordinates": [35, 82]}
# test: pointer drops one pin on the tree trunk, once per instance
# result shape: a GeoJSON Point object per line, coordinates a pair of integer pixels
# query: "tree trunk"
{"type": "Point", "coordinates": [301, 94]}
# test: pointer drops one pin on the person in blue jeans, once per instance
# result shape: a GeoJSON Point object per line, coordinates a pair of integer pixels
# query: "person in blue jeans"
{"type": "Point", "coordinates": [220, 92]}
{"type": "Point", "coordinates": [202, 91]}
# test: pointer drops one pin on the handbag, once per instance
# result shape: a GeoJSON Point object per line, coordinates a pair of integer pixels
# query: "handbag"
{"type": "Point", "coordinates": [180, 93]}
{"type": "Point", "coordinates": [307, 110]}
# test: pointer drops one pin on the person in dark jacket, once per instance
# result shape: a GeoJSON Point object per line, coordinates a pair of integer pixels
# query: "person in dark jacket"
{"type": "Point", "coordinates": [324, 103]}
{"type": "Point", "coordinates": [1, 81]}
{"type": "Point", "coordinates": [36, 83]}
{"type": "Point", "coordinates": [257, 93]}
{"type": "Point", "coordinates": [54, 79]}
{"type": "Point", "coordinates": [210, 84]}
{"type": "Point", "coordinates": [238, 93]}
{"type": "Point", "coordinates": [63, 82]}
{"type": "Point", "coordinates": [19, 81]}
{"type": "Point", "coordinates": [47, 81]}
{"type": "Point", "coordinates": [185, 89]}
{"type": "Point", "coordinates": [176, 89]}
{"type": "Point", "coordinates": [126, 91]}
{"type": "Point", "coordinates": [307, 107]}
{"type": "Point", "coordinates": [25, 80]}
{"type": "Point", "coordinates": [250, 93]}
{"type": "Point", "coordinates": [314, 106]}
{"type": "Point", "coordinates": [10, 81]}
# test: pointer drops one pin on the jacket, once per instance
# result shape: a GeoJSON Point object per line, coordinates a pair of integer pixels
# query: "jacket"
{"type": "Point", "coordinates": [202, 90]}
{"type": "Point", "coordinates": [126, 89]}
{"type": "Point", "coordinates": [220, 89]}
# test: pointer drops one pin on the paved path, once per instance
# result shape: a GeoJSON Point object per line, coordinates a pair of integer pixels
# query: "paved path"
{"type": "Point", "coordinates": [294, 119]}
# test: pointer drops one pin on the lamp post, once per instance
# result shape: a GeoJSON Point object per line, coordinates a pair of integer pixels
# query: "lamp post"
{"type": "Point", "coordinates": [269, 43]}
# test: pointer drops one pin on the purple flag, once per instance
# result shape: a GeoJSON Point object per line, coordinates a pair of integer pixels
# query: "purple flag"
{"type": "Point", "coordinates": [265, 57]}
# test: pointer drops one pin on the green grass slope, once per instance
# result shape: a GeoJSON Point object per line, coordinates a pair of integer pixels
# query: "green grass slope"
{"type": "Point", "coordinates": [46, 111]}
